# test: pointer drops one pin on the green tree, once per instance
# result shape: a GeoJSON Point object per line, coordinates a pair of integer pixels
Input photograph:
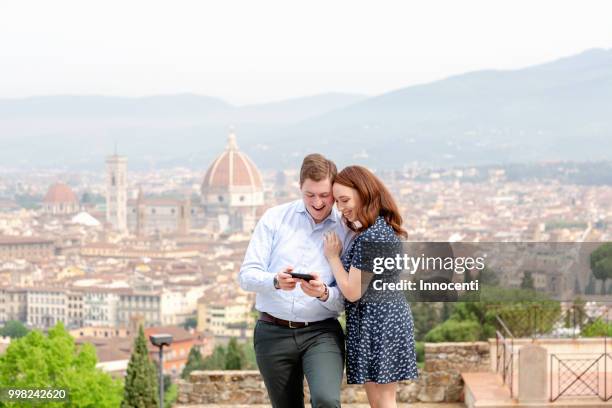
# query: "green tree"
{"type": "Point", "coordinates": [527, 281]}
{"type": "Point", "coordinates": [250, 359]}
{"type": "Point", "coordinates": [525, 312]}
{"type": "Point", "coordinates": [216, 361]}
{"type": "Point", "coordinates": [54, 361]}
{"type": "Point", "coordinates": [426, 315]}
{"type": "Point", "coordinates": [13, 329]}
{"type": "Point", "coordinates": [190, 323]}
{"type": "Point", "coordinates": [141, 379]}
{"type": "Point", "coordinates": [194, 362]}
{"type": "Point", "coordinates": [234, 357]}
{"type": "Point", "coordinates": [601, 264]}
{"type": "Point", "coordinates": [590, 287]}
{"type": "Point", "coordinates": [171, 395]}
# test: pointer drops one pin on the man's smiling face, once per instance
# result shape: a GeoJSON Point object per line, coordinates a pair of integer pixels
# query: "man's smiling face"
{"type": "Point", "coordinates": [318, 198]}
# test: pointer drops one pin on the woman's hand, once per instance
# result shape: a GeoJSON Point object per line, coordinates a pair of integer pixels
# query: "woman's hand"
{"type": "Point", "coordinates": [332, 246]}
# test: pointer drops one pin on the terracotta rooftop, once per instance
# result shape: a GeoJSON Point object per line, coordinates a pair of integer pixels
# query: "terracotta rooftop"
{"type": "Point", "coordinates": [60, 193]}
{"type": "Point", "coordinates": [178, 333]}
{"type": "Point", "coordinates": [232, 168]}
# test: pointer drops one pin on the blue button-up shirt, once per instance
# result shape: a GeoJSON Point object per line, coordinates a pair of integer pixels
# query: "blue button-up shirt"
{"type": "Point", "coordinates": [287, 235]}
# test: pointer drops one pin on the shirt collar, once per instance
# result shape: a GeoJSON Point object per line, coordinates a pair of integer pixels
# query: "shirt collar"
{"type": "Point", "coordinates": [332, 217]}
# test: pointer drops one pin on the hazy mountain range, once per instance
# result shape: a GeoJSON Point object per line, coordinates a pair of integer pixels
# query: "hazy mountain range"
{"type": "Point", "coordinates": [561, 110]}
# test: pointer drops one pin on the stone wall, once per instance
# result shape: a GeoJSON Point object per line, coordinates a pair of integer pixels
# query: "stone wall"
{"type": "Point", "coordinates": [439, 381]}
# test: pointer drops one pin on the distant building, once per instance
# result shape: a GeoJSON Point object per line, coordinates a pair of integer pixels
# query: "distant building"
{"type": "Point", "coordinates": [100, 307]}
{"type": "Point", "coordinates": [8, 205]}
{"type": "Point", "coordinates": [85, 219]}
{"type": "Point", "coordinates": [116, 192]}
{"type": "Point", "coordinates": [146, 305]}
{"type": "Point", "coordinates": [175, 355]}
{"type": "Point", "coordinates": [75, 311]}
{"type": "Point", "coordinates": [100, 332]}
{"type": "Point", "coordinates": [107, 250]}
{"type": "Point", "coordinates": [232, 191]}
{"type": "Point", "coordinates": [13, 304]}
{"type": "Point", "coordinates": [30, 248]}
{"type": "Point", "coordinates": [46, 306]}
{"type": "Point", "coordinates": [226, 316]}
{"type": "Point", "coordinates": [113, 352]}
{"type": "Point", "coordinates": [147, 216]}
{"type": "Point", "coordinates": [60, 200]}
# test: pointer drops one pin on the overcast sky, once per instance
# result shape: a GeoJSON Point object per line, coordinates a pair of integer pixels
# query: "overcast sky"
{"type": "Point", "coordinates": [257, 50]}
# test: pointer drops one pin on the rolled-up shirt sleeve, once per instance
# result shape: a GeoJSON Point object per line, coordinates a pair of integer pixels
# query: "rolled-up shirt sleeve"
{"type": "Point", "coordinates": [254, 275]}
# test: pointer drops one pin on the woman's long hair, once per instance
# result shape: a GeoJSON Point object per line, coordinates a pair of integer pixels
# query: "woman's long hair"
{"type": "Point", "coordinates": [375, 199]}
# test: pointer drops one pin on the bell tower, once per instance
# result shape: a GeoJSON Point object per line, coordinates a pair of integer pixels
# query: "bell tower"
{"type": "Point", "coordinates": [116, 191]}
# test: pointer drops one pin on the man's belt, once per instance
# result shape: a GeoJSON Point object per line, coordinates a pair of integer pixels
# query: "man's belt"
{"type": "Point", "coordinates": [265, 317]}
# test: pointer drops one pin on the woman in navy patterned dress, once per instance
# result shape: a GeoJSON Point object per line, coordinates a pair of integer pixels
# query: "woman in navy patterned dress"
{"type": "Point", "coordinates": [380, 345]}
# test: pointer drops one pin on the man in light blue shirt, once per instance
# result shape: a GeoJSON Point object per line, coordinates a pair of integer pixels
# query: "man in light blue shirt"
{"type": "Point", "coordinates": [298, 332]}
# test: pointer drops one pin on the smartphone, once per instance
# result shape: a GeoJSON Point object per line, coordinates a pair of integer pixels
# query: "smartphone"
{"type": "Point", "coordinates": [306, 276]}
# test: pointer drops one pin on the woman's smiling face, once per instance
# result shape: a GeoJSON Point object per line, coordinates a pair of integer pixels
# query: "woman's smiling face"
{"type": "Point", "coordinates": [347, 200]}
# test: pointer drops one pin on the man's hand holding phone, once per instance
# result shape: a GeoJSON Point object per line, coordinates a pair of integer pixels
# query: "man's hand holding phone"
{"type": "Point", "coordinates": [314, 287]}
{"type": "Point", "coordinates": [285, 280]}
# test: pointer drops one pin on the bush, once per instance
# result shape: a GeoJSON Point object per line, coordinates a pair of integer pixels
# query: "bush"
{"type": "Point", "coordinates": [525, 312]}
{"type": "Point", "coordinates": [427, 315]}
{"type": "Point", "coordinates": [598, 328]}
{"type": "Point", "coordinates": [453, 331]}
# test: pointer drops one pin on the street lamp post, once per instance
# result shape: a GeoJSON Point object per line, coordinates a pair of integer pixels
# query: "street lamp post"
{"type": "Point", "coordinates": [161, 340]}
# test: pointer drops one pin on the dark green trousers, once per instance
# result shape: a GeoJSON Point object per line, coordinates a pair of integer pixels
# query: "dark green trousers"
{"type": "Point", "coordinates": [286, 355]}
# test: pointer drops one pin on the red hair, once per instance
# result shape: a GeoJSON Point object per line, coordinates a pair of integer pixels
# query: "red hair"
{"type": "Point", "coordinates": [375, 199]}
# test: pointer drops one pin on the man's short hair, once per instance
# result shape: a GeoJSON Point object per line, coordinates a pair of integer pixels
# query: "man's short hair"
{"type": "Point", "coordinates": [317, 167]}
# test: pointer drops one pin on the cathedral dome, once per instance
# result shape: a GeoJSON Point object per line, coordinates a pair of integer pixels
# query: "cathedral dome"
{"type": "Point", "coordinates": [60, 193]}
{"type": "Point", "coordinates": [232, 169]}
{"type": "Point", "coordinates": [232, 191]}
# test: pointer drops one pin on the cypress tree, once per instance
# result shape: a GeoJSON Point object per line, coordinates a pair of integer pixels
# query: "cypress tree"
{"type": "Point", "coordinates": [140, 389]}
{"type": "Point", "coordinates": [216, 361]}
{"type": "Point", "coordinates": [590, 288]}
{"type": "Point", "coordinates": [233, 357]}
{"type": "Point", "coordinates": [194, 362]}
{"type": "Point", "coordinates": [527, 282]}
